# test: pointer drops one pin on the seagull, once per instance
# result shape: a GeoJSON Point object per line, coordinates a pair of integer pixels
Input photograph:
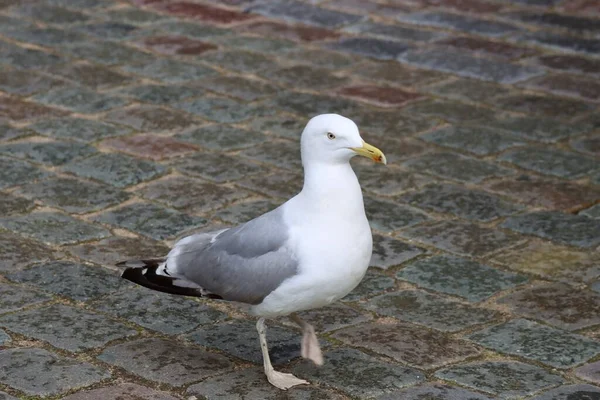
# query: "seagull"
{"type": "Point", "coordinates": [307, 253]}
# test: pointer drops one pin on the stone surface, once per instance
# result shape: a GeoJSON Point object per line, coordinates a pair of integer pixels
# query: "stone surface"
{"type": "Point", "coordinates": [16, 252]}
{"type": "Point", "coordinates": [551, 162]}
{"type": "Point", "coordinates": [589, 372]}
{"type": "Point", "coordinates": [244, 89]}
{"type": "Point", "coordinates": [14, 172]}
{"type": "Point", "coordinates": [79, 100]}
{"type": "Point", "coordinates": [167, 70]}
{"type": "Point", "coordinates": [75, 281]}
{"type": "Point", "coordinates": [123, 391]}
{"type": "Point", "coordinates": [543, 106]}
{"type": "Point", "coordinates": [334, 317]}
{"type": "Point", "coordinates": [433, 311]}
{"type": "Point", "coordinates": [156, 94]}
{"type": "Point", "coordinates": [480, 141]}
{"type": "Point", "coordinates": [243, 212]}
{"type": "Point", "coordinates": [23, 82]}
{"type": "Point", "coordinates": [218, 168]}
{"type": "Point", "coordinates": [506, 379]}
{"type": "Point", "coordinates": [50, 153]}
{"type": "Point", "coordinates": [574, 392]}
{"type": "Point", "coordinates": [217, 109]}
{"type": "Point", "coordinates": [533, 341]}
{"type": "Point", "coordinates": [435, 391]}
{"type": "Point", "coordinates": [111, 250]}
{"type": "Point", "coordinates": [389, 252]}
{"type": "Point", "coordinates": [358, 374]}
{"type": "Point", "coordinates": [459, 22]}
{"type": "Point", "coordinates": [149, 118]}
{"type": "Point", "coordinates": [4, 339]}
{"type": "Point", "coordinates": [165, 361]}
{"type": "Point", "coordinates": [19, 369]}
{"type": "Point", "coordinates": [66, 327]}
{"type": "Point", "coordinates": [307, 13]}
{"type": "Point", "coordinates": [460, 277]}
{"type": "Point", "coordinates": [13, 298]}
{"type": "Point", "coordinates": [150, 146]}
{"type": "Point", "coordinates": [371, 285]}
{"type": "Point", "coordinates": [78, 128]}
{"type": "Point", "coordinates": [387, 216]}
{"type": "Point", "coordinates": [371, 47]}
{"type": "Point", "coordinates": [11, 205]}
{"type": "Point", "coordinates": [222, 137]}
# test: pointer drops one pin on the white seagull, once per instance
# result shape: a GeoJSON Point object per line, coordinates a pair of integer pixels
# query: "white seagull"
{"type": "Point", "coordinates": [307, 253]}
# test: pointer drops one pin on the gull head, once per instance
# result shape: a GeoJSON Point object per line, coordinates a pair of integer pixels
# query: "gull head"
{"type": "Point", "coordinates": [333, 139]}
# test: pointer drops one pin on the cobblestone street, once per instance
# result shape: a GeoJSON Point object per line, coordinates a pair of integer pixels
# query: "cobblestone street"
{"type": "Point", "coordinates": [125, 125]}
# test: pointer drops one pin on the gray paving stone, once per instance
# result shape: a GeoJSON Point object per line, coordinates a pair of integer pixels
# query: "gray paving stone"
{"type": "Point", "coordinates": [29, 59]}
{"type": "Point", "coordinates": [123, 391]}
{"type": "Point", "coordinates": [50, 153]}
{"type": "Point", "coordinates": [72, 195]}
{"type": "Point", "coordinates": [243, 212]}
{"type": "Point", "coordinates": [53, 228]}
{"type": "Point", "coordinates": [160, 94]}
{"type": "Point", "coordinates": [83, 4]}
{"type": "Point", "coordinates": [12, 205]}
{"type": "Point", "coordinates": [470, 90]}
{"type": "Point", "coordinates": [561, 43]}
{"type": "Point", "coordinates": [540, 129]}
{"type": "Point", "coordinates": [75, 281]}
{"type": "Point", "coordinates": [115, 169]}
{"type": "Point", "coordinates": [589, 145]}
{"type": "Point", "coordinates": [474, 139]}
{"type": "Point", "coordinates": [575, 230]}
{"type": "Point", "coordinates": [371, 285]}
{"type": "Point", "coordinates": [321, 58]}
{"type": "Point", "coordinates": [251, 384]}
{"type": "Point", "coordinates": [111, 250]}
{"type": "Point", "coordinates": [25, 83]}
{"type": "Point", "coordinates": [506, 379]}
{"type": "Point", "coordinates": [283, 125]}
{"type": "Point", "coordinates": [108, 30]}
{"type": "Point", "coordinates": [108, 53]}
{"type": "Point", "coordinates": [134, 16]}
{"type": "Point", "coordinates": [462, 237]}
{"type": "Point", "coordinates": [217, 109]}
{"type": "Point", "coordinates": [78, 128]}
{"type": "Point", "coordinates": [589, 372]}
{"type": "Point", "coordinates": [151, 118]}
{"type": "Point", "coordinates": [222, 137]}
{"type": "Point", "coordinates": [543, 106]}
{"type": "Point", "coordinates": [191, 29]}
{"type": "Point", "coordinates": [240, 339]}
{"type": "Point", "coordinates": [333, 317]}
{"type": "Point", "coordinates": [386, 216]}
{"type": "Point", "coordinates": [8, 132]}
{"type": "Point", "coordinates": [15, 172]}
{"type": "Point", "coordinates": [571, 392]}
{"type": "Point", "coordinates": [218, 167]}
{"type": "Point", "coordinates": [151, 220]}
{"type": "Point", "coordinates": [466, 203]}
{"type": "Point", "coordinates": [47, 37]}
{"type": "Point", "coordinates": [459, 22]}
{"type": "Point", "coordinates": [451, 111]}
{"type": "Point", "coordinates": [165, 361]}
{"type": "Point", "coordinates": [92, 76]}
{"type": "Point", "coordinates": [162, 312]}
{"type": "Point", "coordinates": [396, 32]}
{"type": "Point", "coordinates": [168, 70]}
{"type": "Point", "coordinates": [13, 297]}
{"type": "Point", "coordinates": [559, 163]}
{"type": "Point", "coordinates": [388, 252]}
{"type": "Point", "coordinates": [538, 342]}
{"type": "Point", "coordinates": [79, 99]}
{"type": "Point", "coordinates": [358, 374]}
{"type": "Point", "coordinates": [239, 60]}
{"type": "Point", "coordinates": [38, 372]}
{"type": "Point", "coordinates": [305, 76]}
{"type": "Point", "coordinates": [458, 276]}
{"type": "Point", "coordinates": [296, 11]}
{"type": "Point", "coordinates": [371, 47]}
{"type": "Point", "coordinates": [282, 184]}
{"type": "Point", "coordinates": [256, 44]}
{"type": "Point", "coordinates": [470, 67]}
{"type": "Point", "coordinates": [4, 339]}
{"type": "Point", "coordinates": [557, 304]}
{"type": "Point", "coordinates": [433, 311]}
{"type": "Point", "coordinates": [66, 327]}
{"type": "Point", "coordinates": [592, 212]}
{"type": "Point", "coordinates": [308, 105]}
{"type": "Point", "coordinates": [380, 123]}
{"type": "Point", "coordinates": [408, 344]}
{"type": "Point", "coordinates": [388, 180]}
{"type": "Point", "coordinates": [456, 167]}
{"type": "Point", "coordinates": [434, 391]}
{"type": "Point", "coordinates": [282, 153]}
{"type": "Point", "coordinates": [17, 252]}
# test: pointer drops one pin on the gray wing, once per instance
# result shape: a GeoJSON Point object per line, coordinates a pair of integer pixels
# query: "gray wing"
{"type": "Point", "coordinates": [244, 263]}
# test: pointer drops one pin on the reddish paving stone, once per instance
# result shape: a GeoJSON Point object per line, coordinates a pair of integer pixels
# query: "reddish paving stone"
{"type": "Point", "coordinates": [12, 108]}
{"type": "Point", "coordinates": [124, 391]}
{"type": "Point", "coordinates": [487, 47]}
{"type": "Point", "coordinates": [293, 32]}
{"type": "Point", "coordinates": [150, 146]}
{"type": "Point", "coordinates": [202, 12]}
{"type": "Point", "coordinates": [176, 45]}
{"type": "Point", "coordinates": [381, 95]}
{"type": "Point", "coordinates": [569, 63]}
{"type": "Point", "coordinates": [546, 193]}
{"type": "Point", "coordinates": [567, 85]}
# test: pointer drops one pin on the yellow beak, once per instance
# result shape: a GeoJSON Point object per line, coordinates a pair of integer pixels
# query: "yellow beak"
{"type": "Point", "coordinates": [371, 152]}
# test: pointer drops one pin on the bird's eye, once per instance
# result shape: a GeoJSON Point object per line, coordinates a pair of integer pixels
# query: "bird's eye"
{"type": "Point", "coordinates": [330, 136]}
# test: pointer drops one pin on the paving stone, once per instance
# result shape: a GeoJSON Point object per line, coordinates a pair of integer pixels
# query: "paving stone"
{"type": "Point", "coordinates": [546, 193]}
{"type": "Point", "coordinates": [66, 327]}
{"type": "Point", "coordinates": [25, 58]}
{"type": "Point", "coordinates": [358, 374]}
{"type": "Point", "coordinates": [540, 129]}
{"type": "Point", "coordinates": [458, 276]}
{"type": "Point", "coordinates": [456, 167]}
{"type": "Point", "coordinates": [78, 128]}
{"type": "Point", "coordinates": [11, 205]}
{"type": "Point", "coordinates": [8, 132]}
{"type": "Point", "coordinates": [474, 139]}
{"type": "Point", "coordinates": [25, 83]}
{"type": "Point", "coordinates": [296, 11]}
{"type": "Point", "coordinates": [569, 63]}
{"type": "Point", "coordinates": [241, 88]}
{"type": "Point", "coordinates": [108, 30]}
{"type": "Point", "coordinates": [459, 22]}
{"type": "Point", "coordinates": [17, 252]}
{"type": "Point", "coordinates": [333, 317]}
{"type": "Point", "coordinates": [463, 238]}
{"type": "Point", "coordinates": [408, 344]}
{"type": "Point", "coordinates": [290, 32]}
{"type": "Point", "coordinates": [162, 312]}
{"type": "Point", "coordinates": [388, 181]}
{"type": "Point", "coordinates": [552, 261]}
{"type": "Point", "coordinates": [589, 372]}
{"type": "Point", "coordinates": [590, 145]}
{"type": "Point", "coordinates": [281, 184]}
{"type": "Point", "coordinates": [4, 339]}
{"type": "Point", "coordinates": [380, 95]}
{"type": "Point", "coordinates": [47, 37]}
{"type": "Point", "coordinates": [109, 251]}
{"type": "Point", "coordinates": [592, 212]}
{"type": "Point", "coordinates": [486, 47]}
{"type": "Point", "coordinates": [469, 66]}
{"type": "Point", "coordinates": [218, 167]}
{"type": "Point", "coordinates": [369, 7]}
{"type": "Point", "coordinates": [15, 172]}
{"type": "Point", "coordinates": [250, 384]}
{"type": "Point", "coordinates": [160, 94]}
{"type": "Point", "coordinates": [191, 195]}
{"type": "Point", "coordinates": [222, 137]}
{"type": "Point", "coordinates": [557, 304]}
{"type": "Point", "coordinates": [555, 20]}
{"type": "Point", "coordinates": [174, 45]}
{"type": "Point", "coordinates": [575, 230]}
{"type": "Point", "coordinates": [567, 85]}
{"type": "Point", "coordinates": [282, 153]}
{"type": "Point", "coordinates": [433, 311]}
{"type": "Point", "coordinates": [203, 31]}
{"type": "Point", "coordinates": [72, 195]}
{"type": "Point", "coordinates": [108, 53]}
{"type": "Point", "coordinates": [396, 32]}
{"type": "Point", "coordinates": [20, 369]}
{"type": "Point", "coordinates": [243, 212]}
{"type": "Point", "coordinates": [284, 126]}
{"type": "Point", "coordinates": [15, 109]}
{"type": "Point", "coordinates": [538, 342]}
{"type": "Point", "coordinates": [466, 203]}
{"type": "Point", "coordinates": [165, 361]}
{"type": "Point", "coordinates": [371, 47]}
{"type": "Point", "coordinates": [389, 252]}
{"type": "Point", "coordinates": [383, 124]}
{"type": "Point", "coordinates": [239, 60]}
{"type": "Point", "coordinates": [321, 58]}
{"type": "Point", "coordinates": [149, 146]}
{"type": "Point", "coordinates": [371, 285]}
{"type": "Point", "coordinates": [169, 70]}
{"type": "Point", "coordinates": [50, 153]}
{"type": "Point", "coordinates": [79, 99]}
{"type": "Point", "coordinates": [551, 162]}
{"type": "Point", "coordinates": [257, 44]}
{"type": "Point", "coordinates": [151, 220]}
{"type": "Point", "coordinates": [123, 391]}
{"type": "Point", "coordinates": [434, 391]}
{"type": "Point", "coordinates": [218, 109]}
{"type": "Point", "coordinates": [574, 392]}
{"type": "Point", "coordinates": [543, 106]}
{"type": "Point", "coordinates": [308, 105]}
{"type": "Point", "coordinates": [75, 281]}
{"type": "Point", "coordinates": [151, 118]}
{"type": "Point", "coordinates": [397, 74]}
{"type": "Point", "coordinates": [451, 111]}
{"type": "Point", "coordinates": [115, 169]}
{"type": "Point", "coordinates": [305, 76]}
{"type": "Point", "coordinates": [83, 4]}
{"type": "Point", "coordinates": [239, 338]}
{"type": "Point", "coordinates": [53, 228]}
{"type": "Point", "coordinates": [14, 297]}
{"type": "Point", "coordinates": [203, 12]}
{"type": "Point", "coordinates": [133, 16]}
{"type": "Point", "coordinates": [93, 76]}
{"type": "Point", "coordinates": [470, 90]}
{"type": "Point", "coordinates": [503, 378]}
{"type": "Point", "coordinates": [387, 216]}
